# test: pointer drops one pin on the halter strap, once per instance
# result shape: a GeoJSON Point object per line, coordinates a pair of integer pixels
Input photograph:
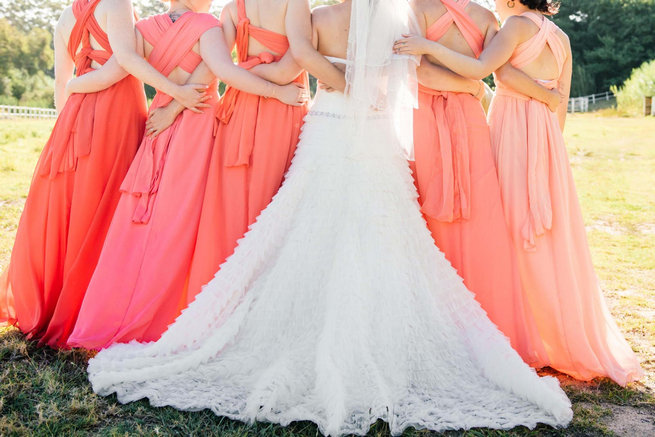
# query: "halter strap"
{"type": "Point", "coordinates": [238, 153]}
{"type": "Point", "coordinates": [456, 14]}
{"type": "Point", "coordinates": [273, 41]}
{"type": "Point", "coordinates": [85, 26]}
{"type": "Point", "coordinates": [530, 50]}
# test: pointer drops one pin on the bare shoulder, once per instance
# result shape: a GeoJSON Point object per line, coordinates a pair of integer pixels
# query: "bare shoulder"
{"type": "Point", "coordinates": [230, 10]}
{"type": "Point", "coordinates": [323, 13]}
{"type": "Point", "coordinates": [327, 15]}
{"type": "Point", "coordinates": [67, 16]}
{"type": "Point", "coordinates": [522, 25]}
{"type": "Point", "coordinates": [423, 5]}
{"type": "Point", "coordinates": [565, 40]}
{"type": "Point", "coordinates": [482, 14]}
{"type": "Point", "coordinates": [66, 21]}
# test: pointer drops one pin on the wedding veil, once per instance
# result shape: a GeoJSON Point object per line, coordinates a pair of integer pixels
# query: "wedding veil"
{"type": "Point", "coordinates": [376, 79]}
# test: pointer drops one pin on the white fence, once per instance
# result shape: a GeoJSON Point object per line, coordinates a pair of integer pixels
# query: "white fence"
{"type": "Point", "coordinates": [581, 104]}
{"type": "Point", "coordinates": [7, 111]}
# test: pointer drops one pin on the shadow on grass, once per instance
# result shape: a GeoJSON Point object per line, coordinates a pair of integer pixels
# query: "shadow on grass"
{"type": "Point", "coordinates": [45, 392]}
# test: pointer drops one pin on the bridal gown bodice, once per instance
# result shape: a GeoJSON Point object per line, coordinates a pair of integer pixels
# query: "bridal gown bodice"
{"type": "Point", "coordinates": [337, 308]}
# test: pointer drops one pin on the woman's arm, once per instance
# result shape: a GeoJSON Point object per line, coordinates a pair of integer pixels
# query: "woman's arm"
{"type": "Point", "coordinates": [97, 80]}
{"type": "Point", "coordinates": [229, 28]}
{"type": "Point", "coordinates": [216, 56]}
{"type": "Point", "coordinates": [122, 38]}
{"type": "Point", "coordinates": [64, 65]}
{"type": "Point", "coordinates": [524, 84]}
{"type": "Point", "coordinates": [565, 86]}
{"type": "Point", "coordinates": [442, 79]}
{"type": "Point", "coordinates": [498, 52]}
{"type": "Point", "coordinates": [281, 72]}
{"type": "Point", "coordinates": [299, 32]}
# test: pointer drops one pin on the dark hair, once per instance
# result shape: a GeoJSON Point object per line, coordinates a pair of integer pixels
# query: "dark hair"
{"type": "Point", "coordinates": [549, 7]}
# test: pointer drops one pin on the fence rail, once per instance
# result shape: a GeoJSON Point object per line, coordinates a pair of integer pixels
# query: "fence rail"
{"type": "Point", "coordinates": [581, 104]}
{"type": "Point", "coordinates": [7, 111]}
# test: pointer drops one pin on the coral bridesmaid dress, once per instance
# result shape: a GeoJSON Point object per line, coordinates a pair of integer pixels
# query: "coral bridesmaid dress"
{"type": "Point", "coordinates": [138, 287]}
{"type": "Point", "coordinates": [256, 140]}
{"type": "Point", "coordinates": [459, 194]}
{"type": "Point", "coordinates": [580, 337]}
{"type": "Point", "coordinates": [73, 195]}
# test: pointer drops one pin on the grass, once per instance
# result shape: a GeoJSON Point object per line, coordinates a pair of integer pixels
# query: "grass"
{"type": "Point", "coordinates": [45, 392]}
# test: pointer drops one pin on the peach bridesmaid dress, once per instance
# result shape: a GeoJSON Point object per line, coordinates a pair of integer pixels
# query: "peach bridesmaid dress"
{"type": "Point", "coordinates": [578, 333]}
{"type": "Point", "coordinates": [138, 287]}
{"type": "Point", "coordinates": [459, 194]}
{"type": "Point", "coordinates": [73, 195]}
{"type": "Point", "coordinates": [255, 142]}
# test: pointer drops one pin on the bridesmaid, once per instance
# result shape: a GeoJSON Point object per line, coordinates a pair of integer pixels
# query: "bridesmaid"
{"type": "Point", "coordinates": [256, 137]}
{"type": "Point", "coordinates": [578, 333]}
{"type": "Point", "coordinates": [454, 169]}
{"type": "Point", "coordinates": [75, 185]}
{"type": "Point", "coordinates": [145, 262]}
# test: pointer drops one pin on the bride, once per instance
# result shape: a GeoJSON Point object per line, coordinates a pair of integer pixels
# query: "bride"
{"type": "Point", "coordinates": [337, 307]}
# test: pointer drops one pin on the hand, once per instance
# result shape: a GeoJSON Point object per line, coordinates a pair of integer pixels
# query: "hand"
{"type": "Point", "coordinates": [411, 45]}
{"type": "Point", "coordinates": [192, 96]}
{"type": "Point", "coordinates": [159, 120]}
{"type": "Point", "coordinates": [293, 94]}
{"type": "Point", "coordinates": [554, 99]}
{"type": "Point", "coordinates": [325, 87]}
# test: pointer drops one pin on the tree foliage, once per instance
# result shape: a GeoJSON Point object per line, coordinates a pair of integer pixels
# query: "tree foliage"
{"type": "Point", "coordinates": [24, 59]}
{"type": "Point", "coordinates": [630, 96]}
{"type": "Point", "coordinates": [608, 39]}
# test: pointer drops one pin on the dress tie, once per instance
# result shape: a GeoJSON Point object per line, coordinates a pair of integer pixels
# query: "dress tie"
{"type": "Point", "coordinates": [540, 214]}
{"type": "Point", "coordinates": [448, 197]}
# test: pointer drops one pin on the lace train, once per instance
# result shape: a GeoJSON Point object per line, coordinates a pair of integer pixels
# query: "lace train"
{"type": "Point", "coordinates": [337, 308]}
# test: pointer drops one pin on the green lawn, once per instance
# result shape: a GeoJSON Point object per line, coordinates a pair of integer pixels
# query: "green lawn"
{"type": "Point", "coordinates": [43, 392]}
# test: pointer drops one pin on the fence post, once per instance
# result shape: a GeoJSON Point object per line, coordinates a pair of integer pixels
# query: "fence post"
{"type": "Point", "coordinates": [648, 104]}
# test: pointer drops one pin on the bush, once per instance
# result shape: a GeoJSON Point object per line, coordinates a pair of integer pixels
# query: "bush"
{"type": "Point", "coordinates": [630, 96]}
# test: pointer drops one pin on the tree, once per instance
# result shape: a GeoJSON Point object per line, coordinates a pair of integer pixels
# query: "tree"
{"type": "Point", "coordinates": [26, 15]}
{"type": "Point", "coordinates": [608, 39]}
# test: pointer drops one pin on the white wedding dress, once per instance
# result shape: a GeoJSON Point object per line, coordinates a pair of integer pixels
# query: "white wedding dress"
{"type": "Point", "coordinates": [337, 308]}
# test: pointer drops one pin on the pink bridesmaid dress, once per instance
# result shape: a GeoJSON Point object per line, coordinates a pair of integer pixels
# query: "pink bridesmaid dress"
{"type": "Point", "coordinates": [138, 287]}
{"type": "Point", "coordinates": [459, 193]}
{"type": "Point", "coordinates": [255, 141]}
{"type": "Point", "coordinates": [578, 333]}
{"type": "Point", "coordinates": [73, 194]}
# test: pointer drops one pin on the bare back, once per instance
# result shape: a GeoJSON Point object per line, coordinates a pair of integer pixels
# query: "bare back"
{"type": "Point", "coordinates": [266, 14]}
{"type": "Point", "coordinates": [430, 11]}
{"type": "Point", "coordinates": [545, 65]}
{"type": "Point", "coordinates": [67, 21]}
{"type": "Point", "coordinates": [330, 27]}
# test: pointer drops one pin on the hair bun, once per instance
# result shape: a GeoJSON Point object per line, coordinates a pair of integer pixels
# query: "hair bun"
{"type": "Point", "coordinates": [549, 7]}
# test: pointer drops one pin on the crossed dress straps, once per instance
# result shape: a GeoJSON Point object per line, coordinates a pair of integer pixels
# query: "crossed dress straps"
{"type": "Point", "coordinates": [452, 201]}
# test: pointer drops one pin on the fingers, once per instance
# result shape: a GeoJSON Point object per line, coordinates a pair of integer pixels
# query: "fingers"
{"type": "Point", "coordinates": [199, 86]}
{"type": "Point", "coordinates": [196, 110]}
{"type": "Point", "coordinates": [203, 105]}
{"type": "Point", "coordinates": [204, 99]}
